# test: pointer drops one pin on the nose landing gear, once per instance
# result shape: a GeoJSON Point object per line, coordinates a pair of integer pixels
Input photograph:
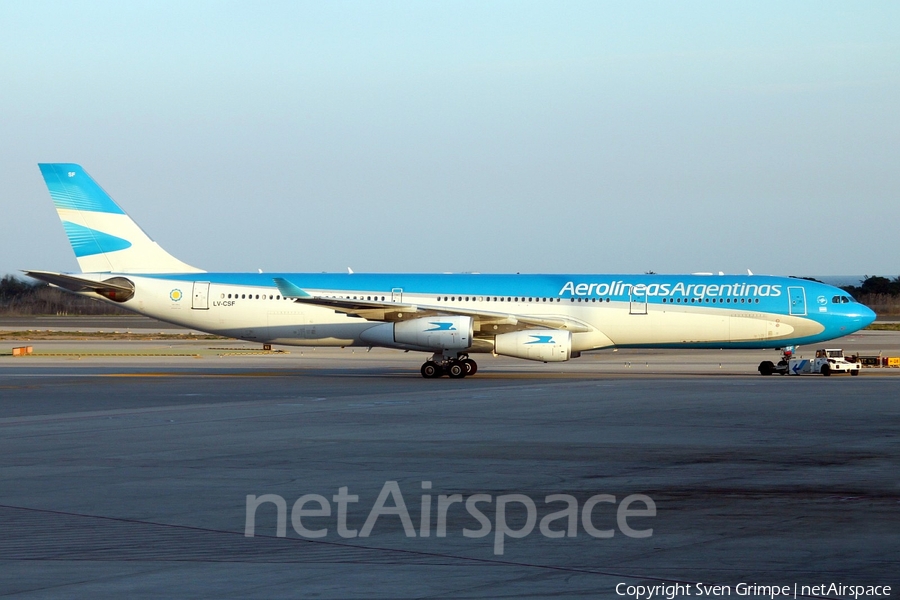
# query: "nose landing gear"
{"type": "Point", "coordinates": [454, 367]}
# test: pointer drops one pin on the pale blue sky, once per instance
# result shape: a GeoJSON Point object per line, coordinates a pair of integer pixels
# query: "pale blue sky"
{"type": "Point", "coordinates": [483, 136]}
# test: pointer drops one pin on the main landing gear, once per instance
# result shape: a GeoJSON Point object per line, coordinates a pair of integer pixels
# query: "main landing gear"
{"type": "Point", "coordinates": [456, 368]}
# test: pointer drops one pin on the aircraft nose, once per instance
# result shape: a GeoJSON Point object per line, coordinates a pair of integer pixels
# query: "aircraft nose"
{"type": "Point", "coordinates": [866, 316]}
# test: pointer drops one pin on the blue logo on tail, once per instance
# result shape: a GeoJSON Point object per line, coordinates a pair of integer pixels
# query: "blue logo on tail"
{"type": "Point", "coordinates": [87, 242]}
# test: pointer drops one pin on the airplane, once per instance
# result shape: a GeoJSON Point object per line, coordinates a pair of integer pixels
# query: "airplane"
{"type": "Point", "coordinates": [547, 318]}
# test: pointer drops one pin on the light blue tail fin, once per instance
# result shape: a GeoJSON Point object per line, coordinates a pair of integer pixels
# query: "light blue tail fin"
{"type": "Point", "coordinates": [103, 237]}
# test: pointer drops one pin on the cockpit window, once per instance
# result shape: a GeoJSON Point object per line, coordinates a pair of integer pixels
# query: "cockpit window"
{"type": "Point", "coordinates": [842, 300]}
{"type": "Point", "coordinates": [836, 300]}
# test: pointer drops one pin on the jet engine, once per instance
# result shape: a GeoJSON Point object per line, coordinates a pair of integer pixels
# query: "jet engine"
{"type": "Point", "coordinates": [119, 289]}
{"type": "Point", "coordinates": [546, 345]}
{"type": "Point", "coordinates": [435, 333]}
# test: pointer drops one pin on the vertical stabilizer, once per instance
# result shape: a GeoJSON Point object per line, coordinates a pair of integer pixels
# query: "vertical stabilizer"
{"type": "Point", "coordinates": [103, 237]}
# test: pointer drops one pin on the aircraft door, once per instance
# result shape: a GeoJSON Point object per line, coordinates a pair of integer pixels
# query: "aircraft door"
{"type": "Point", "coordinates": [638, 303]}
{"type": "Point", "coordinates": [797, 297]}
{"type": "Point", "coordinates": [397, 295]}
{"type": "Point", "coordinates": [201, 295]}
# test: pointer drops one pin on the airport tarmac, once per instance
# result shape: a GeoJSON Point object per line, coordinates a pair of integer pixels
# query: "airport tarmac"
{"type": "Point", "coordinates": [126, 466]}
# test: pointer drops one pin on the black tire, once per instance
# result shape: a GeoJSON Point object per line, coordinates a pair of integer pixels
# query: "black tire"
{"type": "Point", "coordinates": [471, 367]}
{"type": "Point", "coordinates": [456, 370]}
{"type": "Point", "coordinates": [854, 372]}
{"type": "Point", "coordinates": [430, 370]}
{"type": "Point", "coordinates": [826, 370]}
{"type": "Point", "coordinates": [766, 367]}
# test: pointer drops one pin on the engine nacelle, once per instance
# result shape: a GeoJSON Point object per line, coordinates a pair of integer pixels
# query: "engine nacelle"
{"type": "Point", "coordinates": [435, 333]}
{"type": "Point", "coordinates": [546, 345]}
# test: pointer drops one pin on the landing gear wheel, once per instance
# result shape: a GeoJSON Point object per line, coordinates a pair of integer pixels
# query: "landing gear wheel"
{"type": "Point", "coordinates": [430, 370]}
{"type": "Point", "coordinates": [456, 370]}
{"type": "Point", "coordinates": [471, 366]}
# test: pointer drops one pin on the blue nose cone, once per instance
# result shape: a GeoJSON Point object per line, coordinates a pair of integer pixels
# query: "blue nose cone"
{"type": "Point", "coordinates": [866, 316]}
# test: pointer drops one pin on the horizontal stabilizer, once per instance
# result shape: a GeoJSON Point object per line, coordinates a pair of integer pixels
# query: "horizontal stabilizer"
{"type": "Point", "coordinates": [79, 284]}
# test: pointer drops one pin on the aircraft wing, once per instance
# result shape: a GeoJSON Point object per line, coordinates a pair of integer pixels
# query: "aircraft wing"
{"type": "Point", "coordinates": [375, 310]}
